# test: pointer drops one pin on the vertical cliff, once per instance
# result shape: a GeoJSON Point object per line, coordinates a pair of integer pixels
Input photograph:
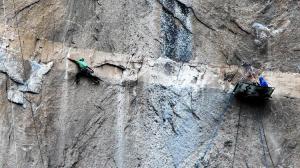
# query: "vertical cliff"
{"type": "Point", "coordinates": [168, 68]}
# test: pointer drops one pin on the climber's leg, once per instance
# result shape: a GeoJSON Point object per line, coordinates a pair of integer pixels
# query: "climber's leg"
{"type": "Point", "coordinates": [77, 79]}
{"type": "Point", "coordinates": [78, 76]}
{"type": "Point", "coordinates": [94, 78]}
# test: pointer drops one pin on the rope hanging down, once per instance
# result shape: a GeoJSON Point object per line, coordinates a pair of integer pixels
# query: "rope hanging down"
{"type": "Point", "coordinates": [10, 84]}
{"type": "Point", "coordinates": [23, 65]}
{"type": "Point", "coordinates": [12, 106]}
{"type": "Point", "coordinates": [266, 141]}
{"type": "Point", "coordinates": [236, 136]}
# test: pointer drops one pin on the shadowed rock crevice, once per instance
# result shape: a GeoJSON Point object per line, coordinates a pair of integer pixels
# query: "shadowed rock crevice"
{"type": "Point", "coordinates": [190, 9]}
{"type": "Point", "coordinates": [29, 6]}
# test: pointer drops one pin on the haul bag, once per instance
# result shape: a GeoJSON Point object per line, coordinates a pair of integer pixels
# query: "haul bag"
{"type": "Point", "coordinates": [249, 90]}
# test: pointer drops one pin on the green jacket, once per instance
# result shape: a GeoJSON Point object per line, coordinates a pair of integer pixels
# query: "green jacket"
{"type": "Point", "coordinates": [82, 64]}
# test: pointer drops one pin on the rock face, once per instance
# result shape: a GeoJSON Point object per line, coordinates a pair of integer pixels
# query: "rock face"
{"type": "Point", "coordinates": [18, 70]}
{"type": "Point", "coordinates": [168, 68]}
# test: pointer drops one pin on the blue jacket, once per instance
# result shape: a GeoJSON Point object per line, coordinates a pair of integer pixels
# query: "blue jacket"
{"type": "Point", "coordinates": [263, 82]}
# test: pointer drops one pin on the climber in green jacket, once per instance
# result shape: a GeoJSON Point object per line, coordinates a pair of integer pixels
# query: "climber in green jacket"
{"type": "Point", "coordinates": [84, 70]}
{"type": "Point", "coordinates": [82, 64]}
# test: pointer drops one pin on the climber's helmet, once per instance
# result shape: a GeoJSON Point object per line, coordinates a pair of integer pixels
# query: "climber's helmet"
{"type": "Point", "coordinates": [81, 59]}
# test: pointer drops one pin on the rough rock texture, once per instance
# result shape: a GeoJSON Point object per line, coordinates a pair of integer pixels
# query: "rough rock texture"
{"type": "Point", "coordinates": [168, 69]}
{"type": "Point", "coordinates": [28, 78]}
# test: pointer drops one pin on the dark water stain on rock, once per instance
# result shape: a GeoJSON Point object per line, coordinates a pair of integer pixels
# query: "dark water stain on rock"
{"type": "Point", "coordinates": [177, 38]}
{"type": "Point", "coordinates": [169, 32]}
{"type": "Point", "coordinates": [183, 8]}
{"type": "Point", "coordinates": [184, 46]}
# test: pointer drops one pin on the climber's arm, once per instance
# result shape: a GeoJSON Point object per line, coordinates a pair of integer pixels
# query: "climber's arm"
{"type": "Point", "coordinates": [72, 60]}
{"type": "Point", "coordinates": [90, 69]}
{"type": "Point", "coordinates": [75, 61]}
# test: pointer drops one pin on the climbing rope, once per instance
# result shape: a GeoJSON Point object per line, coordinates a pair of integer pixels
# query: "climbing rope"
{"type": "Point", "coordinates": [23, 64]}
{"type": "Point", "coordinates": [236, 136]}
{"type": "Point", "coordinates": [215, 132]}
{"type": "Point", "coordinates": [12, 106]}
{"type": "Point", "coordinates": [263, 139]}
{"type": "Point", "coordinates": [264, 134]}
{"type": "Point", "coordinates": [266, 141]}
{"type": "Point", "coordinates": [263, 146]}
{"type": "Point", "coordinates": [36, 135]}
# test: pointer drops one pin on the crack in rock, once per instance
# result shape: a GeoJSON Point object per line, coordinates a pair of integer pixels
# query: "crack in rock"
{"type": "Point", "coordinates": [25, 7]}
{"type": "Point", "coordinates": [196, 17]}
{"type": "Point", "coordinates": [174, 15]}
{"type": "Point", "coordinates": [240, 27]}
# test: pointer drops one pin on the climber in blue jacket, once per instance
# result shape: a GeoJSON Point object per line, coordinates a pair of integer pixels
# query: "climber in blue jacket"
{"type": "Point", "coordinates": [263, 82]}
